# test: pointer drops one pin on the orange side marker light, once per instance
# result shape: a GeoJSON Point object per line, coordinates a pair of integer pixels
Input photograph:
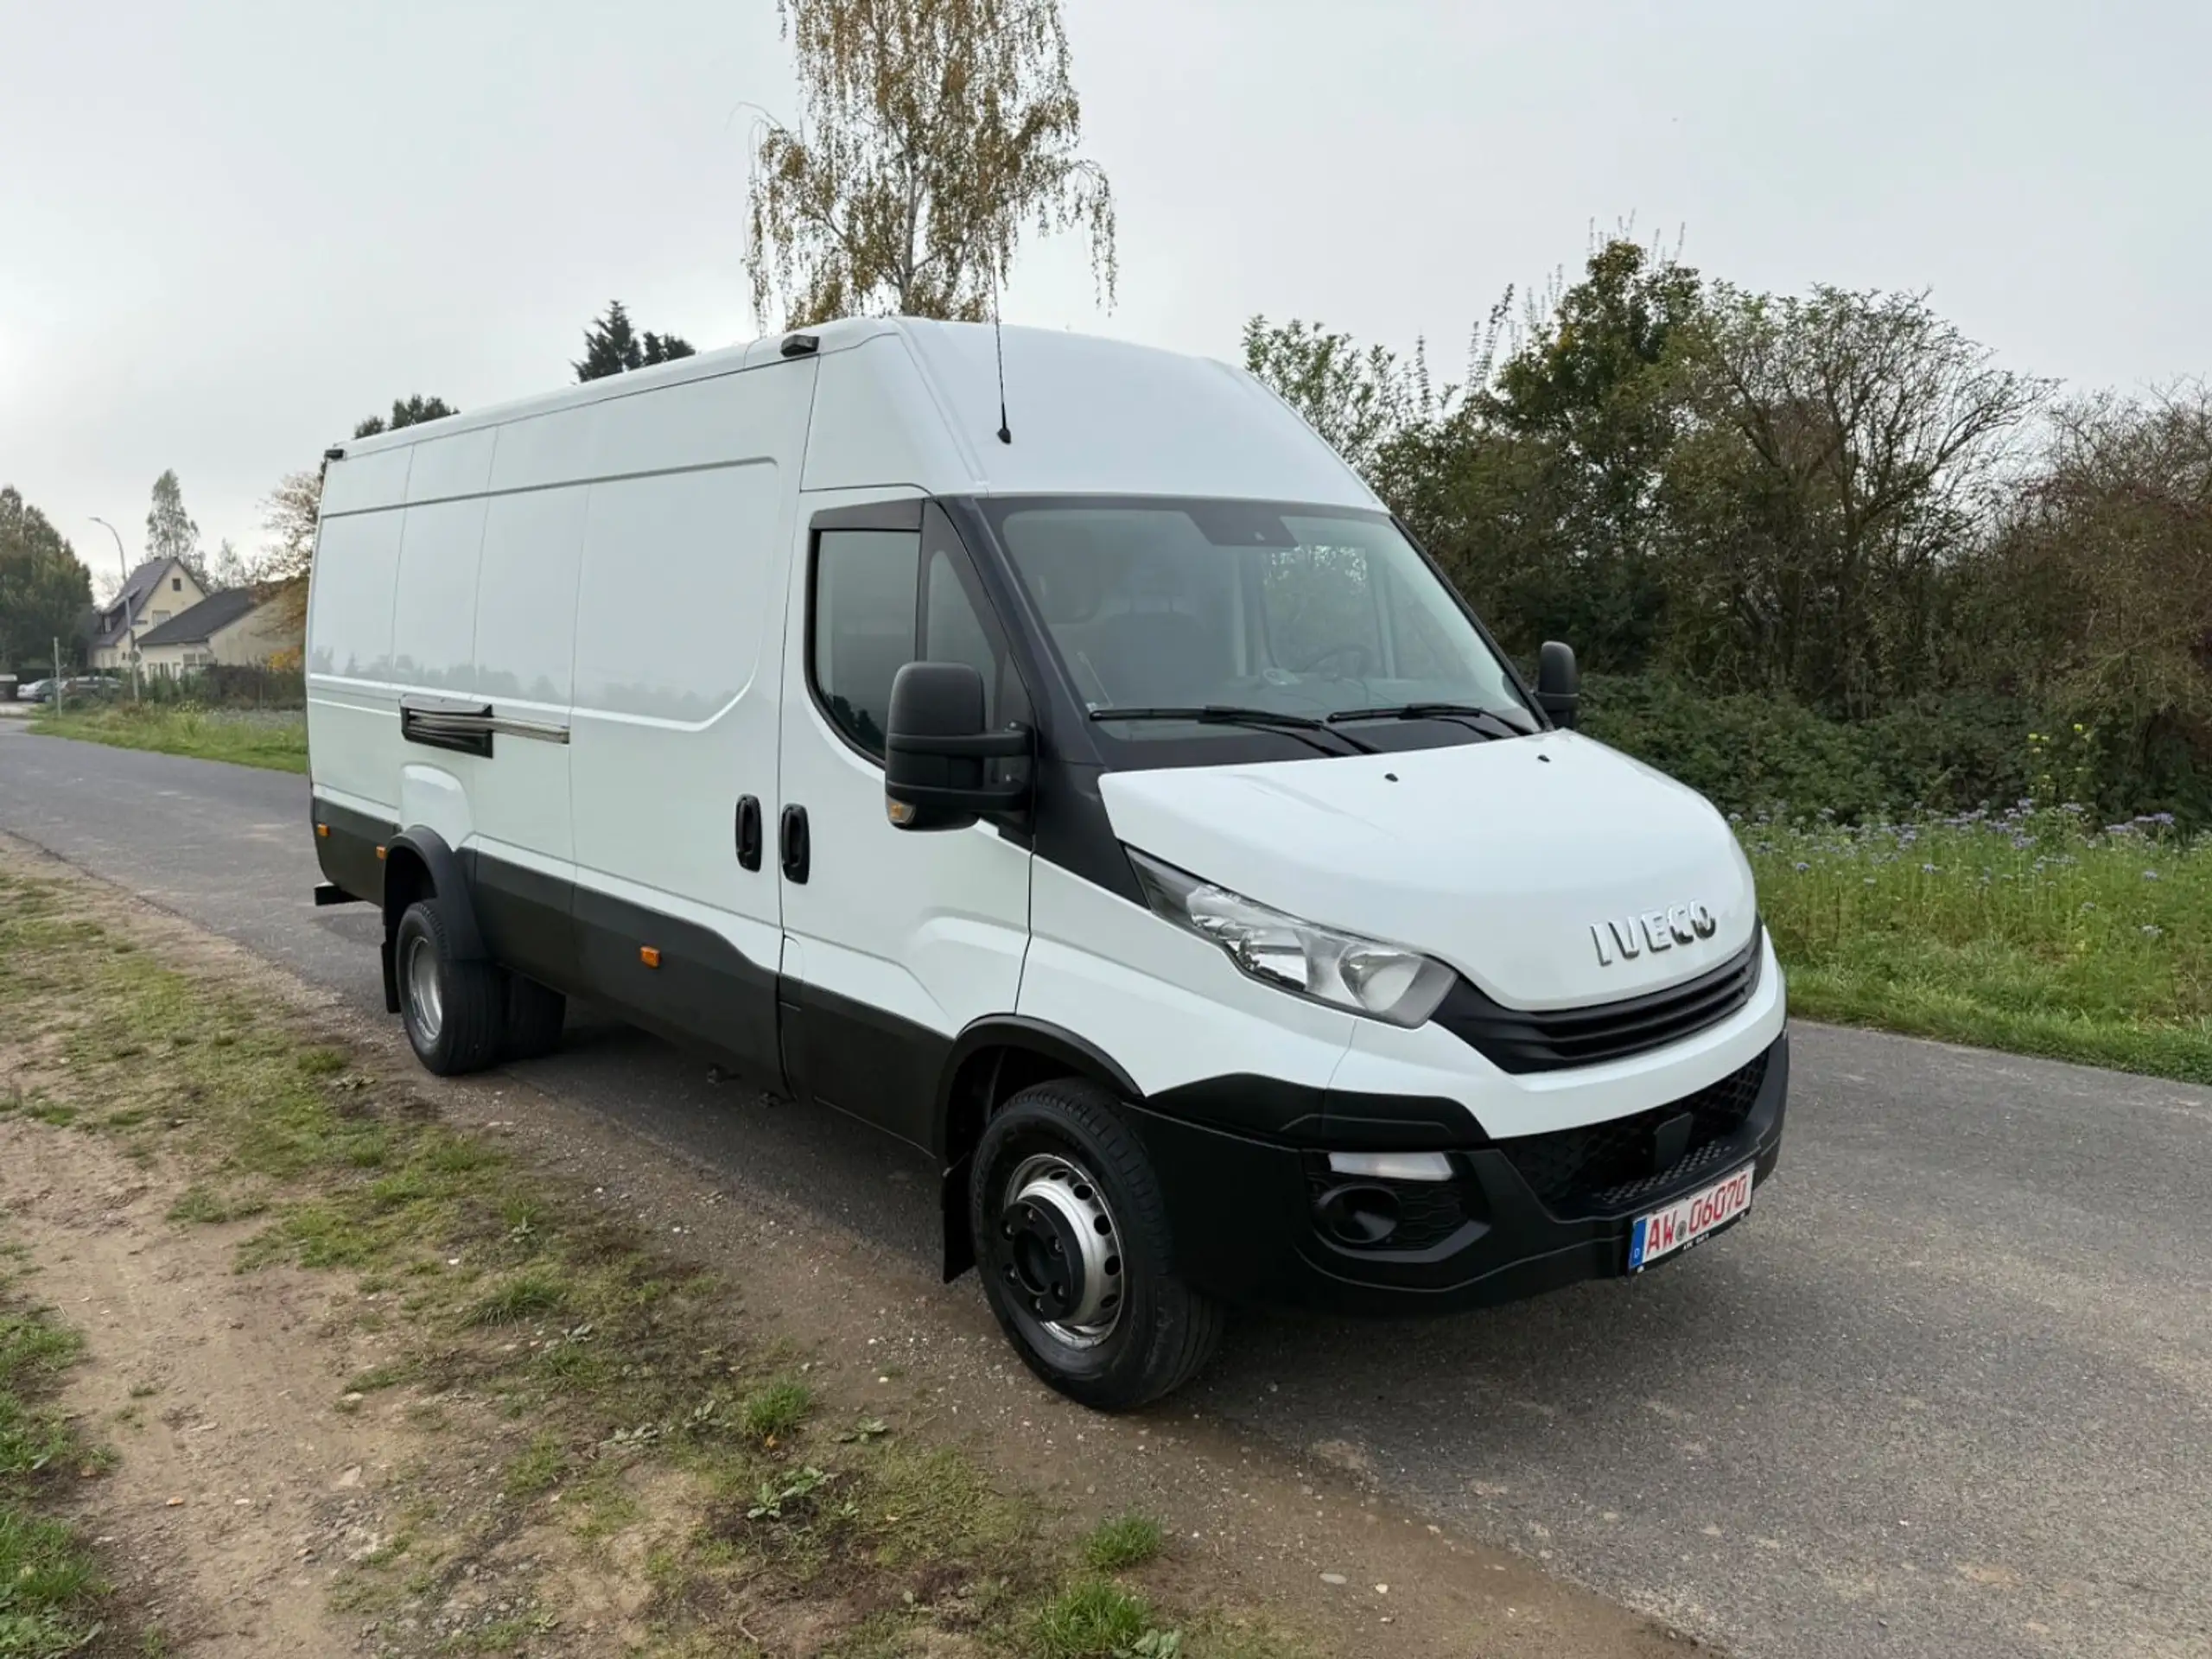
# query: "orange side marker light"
{"type": "Point", "coordinates": [650, 955]}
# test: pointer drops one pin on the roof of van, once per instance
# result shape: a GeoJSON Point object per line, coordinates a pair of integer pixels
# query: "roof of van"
{"type": "Point", "coordinates": [1086, 415]}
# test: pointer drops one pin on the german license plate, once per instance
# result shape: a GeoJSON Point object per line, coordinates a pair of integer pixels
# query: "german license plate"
{"type": "Point", "coordinates": [1683, 1223]}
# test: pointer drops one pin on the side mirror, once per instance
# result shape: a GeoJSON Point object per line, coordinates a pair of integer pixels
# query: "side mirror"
{"type": "Point", "coordinates": [1559, 682]}
{"type": "Point", "coordinates": [936, 754]}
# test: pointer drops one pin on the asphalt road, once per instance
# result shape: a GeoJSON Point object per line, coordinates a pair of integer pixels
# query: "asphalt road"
{"type": "Point", "coordinates": [1949, 1392]}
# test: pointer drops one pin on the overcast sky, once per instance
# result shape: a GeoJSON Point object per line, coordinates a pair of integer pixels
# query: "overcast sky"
{"type": "Point", "coordinates": [231, 228]}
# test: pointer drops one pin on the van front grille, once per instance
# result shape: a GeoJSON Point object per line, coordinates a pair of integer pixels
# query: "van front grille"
{"type": "Point", "coordinates": [1552, 1040]}
{"type": "Point", "coordinates": [1604, 1168]}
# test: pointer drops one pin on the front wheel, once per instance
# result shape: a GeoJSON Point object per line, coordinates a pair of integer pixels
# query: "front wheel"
{"type": "Point", "coordinates": [1070, 1235]}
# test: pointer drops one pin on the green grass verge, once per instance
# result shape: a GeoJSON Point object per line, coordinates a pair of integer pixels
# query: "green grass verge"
{"type": "Point", "coordinates": [50, 1587]}
{"type": "Point", "coordinates": [636, 1403]}
{"type": "Point", "coordinates": [273, 738]}
{"type": "Point", "coordinates": [2034, 931]}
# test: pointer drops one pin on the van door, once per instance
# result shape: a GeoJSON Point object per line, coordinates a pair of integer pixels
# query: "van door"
{"type": "Point", "coordinates": [678, 666]}
{"type": "Point", "coordinates": [896, 940]}
{"type": "Point", "coordinates": [523, 863]}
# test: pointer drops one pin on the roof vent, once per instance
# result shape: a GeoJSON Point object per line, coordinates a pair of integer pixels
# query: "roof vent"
{"type": "Point", "coordinates": [801, 344]}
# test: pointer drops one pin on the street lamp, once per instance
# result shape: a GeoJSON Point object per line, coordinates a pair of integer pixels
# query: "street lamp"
{"type": "Point", "coordinates": [130, 622]}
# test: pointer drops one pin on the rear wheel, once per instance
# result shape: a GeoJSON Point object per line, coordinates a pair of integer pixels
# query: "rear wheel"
{"type": "Point", "coordinates": [1071, 1234]}
{"type": "Point", "coordinates": [455, 1012]}
{"type": "Point", "coordinates": [535, 1016]}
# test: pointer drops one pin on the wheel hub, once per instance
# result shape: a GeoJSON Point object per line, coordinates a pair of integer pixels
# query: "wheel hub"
{"type": "Point", "coordinates": [425, 995]}
{"type": "Point", "coordinates": [1059, 1250]}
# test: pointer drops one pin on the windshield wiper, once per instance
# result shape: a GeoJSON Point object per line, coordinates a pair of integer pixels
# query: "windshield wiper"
{"type": "Point", "coordinates": [1466, 713]}
{"type": "Point", "coordinates": [1216, 714]}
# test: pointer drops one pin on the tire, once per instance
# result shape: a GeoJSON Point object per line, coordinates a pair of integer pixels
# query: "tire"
{"type": "Point", "coordinates": [535, 1014]}
{"type": "Point", "coordinates": [1134, 1330]}
{"type": "Point", "coordinates": [455, 1012]}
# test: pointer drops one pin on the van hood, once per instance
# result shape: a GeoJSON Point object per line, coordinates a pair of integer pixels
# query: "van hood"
{"type": "Point", "coordinates": [1513, 861]}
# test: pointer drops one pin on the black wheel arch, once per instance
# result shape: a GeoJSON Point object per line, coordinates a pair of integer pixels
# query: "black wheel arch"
{"type": "Point", "coordinates": [993, 1059]}
{"type": "Point", "coordinates": [418, 864]}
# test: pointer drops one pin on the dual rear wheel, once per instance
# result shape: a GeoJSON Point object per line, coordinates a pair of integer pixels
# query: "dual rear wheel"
{"type": "Point", "coordinates": [464, 1016]}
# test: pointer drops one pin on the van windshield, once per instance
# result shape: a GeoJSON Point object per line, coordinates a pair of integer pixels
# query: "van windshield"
{"type": "Point", "coordinates": [1303, 613]}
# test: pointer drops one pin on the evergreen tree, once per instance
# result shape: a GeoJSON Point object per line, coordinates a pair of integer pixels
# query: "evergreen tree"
{"type": "Point", "coordinates": [170, 532]}
{"type": "Point", "coordinates": [411, 412]}
{"type": "Point", "coordinates": [665, 348]}
{"type": "Point", "coordinates": [611, 346]}
{"type": "Point", "coordinates": [44, 591]}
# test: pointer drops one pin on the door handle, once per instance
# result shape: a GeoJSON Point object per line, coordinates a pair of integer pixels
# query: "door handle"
{"type": "Point", "coordinates": [748, 831]}
{"type": "Point", "coordinates": [792, 842]}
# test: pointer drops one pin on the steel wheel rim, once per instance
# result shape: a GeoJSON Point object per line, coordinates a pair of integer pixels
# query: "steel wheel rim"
{"type": "Point", "coordinates": [425, 996]}
{"type": "Point", "coordinates": [1050, 1191]}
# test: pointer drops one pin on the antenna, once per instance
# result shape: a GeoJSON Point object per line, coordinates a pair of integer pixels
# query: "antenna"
{"type": "Point", "coordinates": [998, 344]}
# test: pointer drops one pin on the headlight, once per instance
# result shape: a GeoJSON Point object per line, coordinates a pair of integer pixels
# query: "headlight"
{"type": "Point", "coordinates": [1384, 982]}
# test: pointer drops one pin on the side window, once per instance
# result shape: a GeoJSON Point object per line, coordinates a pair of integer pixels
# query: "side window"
{"type": "Point", "coordinates": [864, 593]}
{"type": "Point", "coordinates": [956, 628]}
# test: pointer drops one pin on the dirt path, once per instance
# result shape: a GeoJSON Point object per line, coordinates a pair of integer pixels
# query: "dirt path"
{"type": "Point", "coordinates": [240, 1491]}
{"type": "Point", "coordinates": [285, 1482]}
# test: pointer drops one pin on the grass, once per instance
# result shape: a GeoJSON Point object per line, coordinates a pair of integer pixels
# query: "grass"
{"type": "Point", "coordinates": [542, 1466]}
{"type": "Point", "coordinates": [275, 739]}
{"type": "Point", "coordinates": [1125, 1542]}
{"type": "Point", "coordinates": [1095, 1618]}
{"type": "Point", "coordinates": [526, 1296]}
{"type": "Point", "coordinates": [613, 1388]}
{"type": "Point", "coordinates": [209, 1208]}
{"type": "Point", "coordinates": [2034, 930]}
{"type": "Point", "coordinates": [50, 1587]}
{"type": "Point", "coordinates": [772, 1412]}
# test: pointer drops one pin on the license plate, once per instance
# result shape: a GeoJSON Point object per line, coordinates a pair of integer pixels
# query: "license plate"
{"type": "Point", "coordinates": [1683, 1223]}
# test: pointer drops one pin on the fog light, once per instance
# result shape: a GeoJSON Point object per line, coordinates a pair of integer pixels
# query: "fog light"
{"type": "Point", "coordinates": [1392, 1165]}
{"type": "Point", "coordinates": [1363, 1216]}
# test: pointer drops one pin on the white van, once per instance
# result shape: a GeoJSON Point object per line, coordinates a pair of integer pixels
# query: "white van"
{"type": "Point", "coordinates": [1097, 790]}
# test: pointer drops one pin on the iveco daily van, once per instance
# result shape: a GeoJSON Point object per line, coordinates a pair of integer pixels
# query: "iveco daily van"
{"type": "Point", "coordinates": [1091, 785]}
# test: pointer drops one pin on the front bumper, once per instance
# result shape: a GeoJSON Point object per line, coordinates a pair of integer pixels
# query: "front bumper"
{"type": "Point", "coordinates": [1516, 1220]}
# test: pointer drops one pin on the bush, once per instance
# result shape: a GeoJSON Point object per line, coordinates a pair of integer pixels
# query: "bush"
{"type": "Point", "coordinates": [1752, 754]}
{"type": "Point", "coordinates": [226, 686]}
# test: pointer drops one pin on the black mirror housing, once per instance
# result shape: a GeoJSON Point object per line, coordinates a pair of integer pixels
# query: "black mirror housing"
{"type": "Point", "coordinates": [1559, 682]}
{"type": "Point", "coordinates": [936, 754]}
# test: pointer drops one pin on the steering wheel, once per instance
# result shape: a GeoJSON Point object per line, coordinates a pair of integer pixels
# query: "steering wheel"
{"type": "Point", "coordinates": [1332, 654]}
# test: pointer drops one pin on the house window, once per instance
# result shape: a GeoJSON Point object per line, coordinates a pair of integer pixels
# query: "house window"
{"type": "Point", "coordinates": [176, 584]}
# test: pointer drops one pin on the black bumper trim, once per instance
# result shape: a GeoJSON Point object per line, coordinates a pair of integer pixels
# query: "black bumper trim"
{"type": "Point", "coordinates": [1241, 1212]}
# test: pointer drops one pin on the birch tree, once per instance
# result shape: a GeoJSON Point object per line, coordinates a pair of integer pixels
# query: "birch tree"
{"type": "Point", "coordinates": [933, 135]}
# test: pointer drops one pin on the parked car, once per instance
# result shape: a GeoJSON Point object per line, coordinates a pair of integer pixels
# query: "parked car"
{"type": "Point", "coordinates": [1074, 772]}
{"type": "Point", "coordinates": [36, 691]}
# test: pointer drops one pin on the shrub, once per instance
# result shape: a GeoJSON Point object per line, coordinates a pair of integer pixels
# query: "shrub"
{"type": "Point", "coordinates": [1753, 754]}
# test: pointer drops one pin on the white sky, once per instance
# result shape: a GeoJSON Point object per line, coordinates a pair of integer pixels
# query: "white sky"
{"type": "Point", "coordinates": [231, 228]}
